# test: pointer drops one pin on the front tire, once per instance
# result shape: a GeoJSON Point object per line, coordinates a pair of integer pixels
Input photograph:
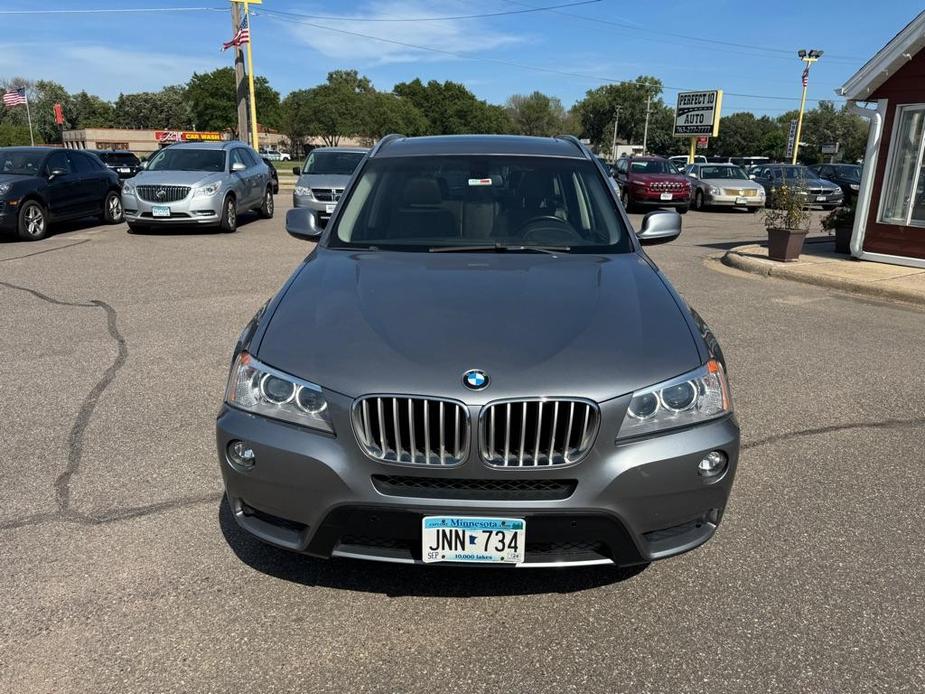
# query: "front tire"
{"type": "Point", "coordinates": [698, 200]}
{"type": "Point", "coordinates": [112, 208]}
{"type": "Point", "coordinates": [683, 209]}
{"type": "Point", "coordinates": [33, 221]}
{"type": "Point", "coordinates": [229, 221]}
{"type": "Point", "coordinates": [266, 209]}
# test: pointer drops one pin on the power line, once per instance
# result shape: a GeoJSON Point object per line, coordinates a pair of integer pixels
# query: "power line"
{"type": "Point", "coordinates": [280, 16]}
{"type": "Point", "coordinates": [123, 10]}
{"type": "Point", "coordinates": [503, 13]}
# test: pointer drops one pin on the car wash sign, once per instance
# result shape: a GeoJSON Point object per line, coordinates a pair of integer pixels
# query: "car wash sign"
{"type": "Point", "coordinates": [697, 113]}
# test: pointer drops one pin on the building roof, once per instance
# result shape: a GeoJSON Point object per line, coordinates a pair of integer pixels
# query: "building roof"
{"type": "Point", "coordinates": [480, 144]}
{"type": "Point", "coordinates": [886, 62]}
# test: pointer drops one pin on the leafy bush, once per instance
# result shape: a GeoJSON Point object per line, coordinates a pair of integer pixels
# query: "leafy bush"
{"type": "Point", "coordinates": [787, 208]}
{"type": "Point", "coordinates": [839, 217]}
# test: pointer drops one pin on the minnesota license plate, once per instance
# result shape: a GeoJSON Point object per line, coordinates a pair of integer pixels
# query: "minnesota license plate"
{"type": "Point", "coordinates": [820, 198]}
{"type": "Point", "coordinates": [666, 196]}
{"type": "Point", "coordinates": [741, 200]}
{"type": "Point", "coordinates": [160, 211]}
{"type": "Point", "coordinates": [330, 208]}
{"type": "Point", "coordinates": [473, 540]}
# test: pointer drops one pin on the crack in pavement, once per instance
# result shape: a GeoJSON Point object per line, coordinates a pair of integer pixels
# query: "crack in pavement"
{"type": "Point", "coordinates": [44, 250]}
{"type": "Point", "coordinates": [816, 431]}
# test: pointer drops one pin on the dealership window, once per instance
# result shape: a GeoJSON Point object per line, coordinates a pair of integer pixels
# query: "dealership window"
{"type": "Point", "coordinates": [904, 189]}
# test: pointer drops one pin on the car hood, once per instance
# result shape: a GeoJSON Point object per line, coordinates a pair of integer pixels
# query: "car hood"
{"type": "Point", "coordinates": [176, 178]}
{"type": "Point", "coordinates": [730, 183]}
{"type": "Point", "coordinates": [15, 178]}
{"type": "Point", "coordinates": [323, 180]}
{"type": "Point", "coordinates": [394, 322]}
{"type": "Point", "coordinates": [653, 178]}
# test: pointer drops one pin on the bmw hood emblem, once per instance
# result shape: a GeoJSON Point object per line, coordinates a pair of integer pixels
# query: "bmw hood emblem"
{"type": "Point", "coordinates": [475, 379]}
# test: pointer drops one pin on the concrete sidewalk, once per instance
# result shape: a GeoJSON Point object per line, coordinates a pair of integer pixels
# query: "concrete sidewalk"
{"type": "Point", "coordinates": [820, 265]}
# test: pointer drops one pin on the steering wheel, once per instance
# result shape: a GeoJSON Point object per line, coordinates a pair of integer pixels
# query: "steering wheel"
{"type": "Point", "coordinates": [548, 229]}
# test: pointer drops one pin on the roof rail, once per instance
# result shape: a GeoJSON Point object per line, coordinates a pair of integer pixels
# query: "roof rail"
{"type": "Point", "coordinates": [384, 141]}
{"type": "Point", "coordinates": [575, 141]}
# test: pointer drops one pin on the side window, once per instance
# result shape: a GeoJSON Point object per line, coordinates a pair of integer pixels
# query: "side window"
{"type": "Point", "coordinates": [81, 163]}
{"type": "Point", "coordinates": [58, 162]}
{"type": "Point", "coordinates": [250, 158]}
{"type": "Point", "coordinates": [237, 157]}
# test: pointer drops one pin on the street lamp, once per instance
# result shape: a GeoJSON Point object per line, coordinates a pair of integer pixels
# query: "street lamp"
{"type": "Point", "coordinates": [809, 57]}
{"type": "Point", "coordinates": [613, 146]}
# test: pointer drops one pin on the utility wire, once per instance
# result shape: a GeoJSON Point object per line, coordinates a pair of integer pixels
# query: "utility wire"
{"type": "Point", "coordinates": [285, 16]}
{"type": "Point", "coordinates": [120, 10]}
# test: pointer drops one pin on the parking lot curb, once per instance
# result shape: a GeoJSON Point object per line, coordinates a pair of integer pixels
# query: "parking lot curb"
{"type": "Point", "coordinates": [748, 259]}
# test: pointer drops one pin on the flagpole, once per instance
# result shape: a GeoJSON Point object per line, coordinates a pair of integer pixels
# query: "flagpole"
{"type": "Point", "coordinates": [29, 118]}
{"type": "Point", "coordinates": [255, 140]}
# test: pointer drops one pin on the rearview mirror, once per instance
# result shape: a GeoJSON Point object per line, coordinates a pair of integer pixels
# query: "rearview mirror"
{"type": "Point", "coordinates": [296, 170]}
{"type": "Point", "coordinates": [660, 226]}
{"type": "Point", "coordinates": [238, 166]}
{"type": "Point", "coordinates": [302, 223]}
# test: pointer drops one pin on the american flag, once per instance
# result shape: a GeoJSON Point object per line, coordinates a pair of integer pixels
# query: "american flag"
{"type": "Point", "coordinates": [242, 36]}
{"type": "Point", "coordinates": [806, 76]}
{"type": "Point", "coordinates": [14, 97]}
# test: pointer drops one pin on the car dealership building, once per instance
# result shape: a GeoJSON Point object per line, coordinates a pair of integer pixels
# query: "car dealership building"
{"type": "Point", "coordinates": [889, 90]}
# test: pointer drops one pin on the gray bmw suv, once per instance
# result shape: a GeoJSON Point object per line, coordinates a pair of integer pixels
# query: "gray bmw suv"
{"type": "Point", "coordinates": [198, 183]}
{"type": "Point", "coordinates": [478, 364]}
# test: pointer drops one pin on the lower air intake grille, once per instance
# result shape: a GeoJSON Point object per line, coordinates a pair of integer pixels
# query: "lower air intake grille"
{"type": "Point", "coordinates": [405, 429]}
{"type": "Point", "coordinates": [520, 489]}
{"type": "Point", "coordinates": [531, 433]}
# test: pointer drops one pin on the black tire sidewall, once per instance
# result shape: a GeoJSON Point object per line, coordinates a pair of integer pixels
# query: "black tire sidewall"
{"type": "Point", "coordinates": [267, 212]}
{"type": "Point", "coordinates": [21, 222]}
{"type": "Point", "coordinates": [223, 224]}
{"type": "Point", "coordinates": [698, 200]}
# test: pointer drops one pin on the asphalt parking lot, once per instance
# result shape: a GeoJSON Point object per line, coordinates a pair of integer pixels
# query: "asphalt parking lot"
{"type": "Point", "coordinates": [123, 571]}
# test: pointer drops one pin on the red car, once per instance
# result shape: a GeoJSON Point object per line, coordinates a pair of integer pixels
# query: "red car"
{"type": "Point", "coordinates": [652, 182]}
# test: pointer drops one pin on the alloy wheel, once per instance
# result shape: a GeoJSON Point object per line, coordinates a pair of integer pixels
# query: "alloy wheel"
{"type": "Point", "coordinates": [115, 208]}
{"type": "Point", "coordinates": [231, 214]}
{"type": "Point", "coordinates": [35, 221]}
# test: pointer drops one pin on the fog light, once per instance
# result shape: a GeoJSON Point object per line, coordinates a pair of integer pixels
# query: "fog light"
{"type": "Point", "coordinates": [712, 464]}
{"type": "Point", "coordinates": [241, 455]}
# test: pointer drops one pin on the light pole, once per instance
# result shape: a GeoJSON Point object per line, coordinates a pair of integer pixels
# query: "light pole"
{"type": "Point", "coordinates": [645, 132]}
{"type": "Point", "coordinates": [809, 57]}
{"type": "Point", "coordinates": [613, 146]}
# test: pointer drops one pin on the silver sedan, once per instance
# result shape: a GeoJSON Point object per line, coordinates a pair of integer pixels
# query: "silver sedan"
{"type": "Point", "coordinates": [723, 185]}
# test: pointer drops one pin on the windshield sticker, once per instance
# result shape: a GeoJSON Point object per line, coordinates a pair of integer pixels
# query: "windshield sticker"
{"type": "Point", "coordinates": [479, 181]}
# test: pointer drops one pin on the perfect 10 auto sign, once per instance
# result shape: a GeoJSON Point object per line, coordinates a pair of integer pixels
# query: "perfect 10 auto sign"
{"type": "Point", "coordinates": [697, 113]}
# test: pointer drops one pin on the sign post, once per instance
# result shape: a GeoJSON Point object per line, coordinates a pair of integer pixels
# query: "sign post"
{"type": "Point", "coordinates": [791, 140]}
{"type": "Point", "coordinates": [697, 115]}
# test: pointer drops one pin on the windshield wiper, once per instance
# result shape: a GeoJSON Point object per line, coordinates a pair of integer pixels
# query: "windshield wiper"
{"type": "Point", "coordinates": [499, 248]}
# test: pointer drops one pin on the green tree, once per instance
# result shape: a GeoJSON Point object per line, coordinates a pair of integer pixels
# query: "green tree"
{"type": "Point", "coordinates": [331, 110]}
{"type": "Point", "coordinates": [90, 111]}
{"type": "Point", "coordinates": [451, 109]}
{"type": "Point", "coordinates": [213, 101]}
{"type": "Point", "coordinates": [597, 113]}
{"type": "Point", "coordinates": [166, 109]}
{"type": "Point", "coordinates": [536, 114]}
{"type": "Point", "coordinates": [389, 113]}
{"type": "Point", "coordinates": [12, 135]}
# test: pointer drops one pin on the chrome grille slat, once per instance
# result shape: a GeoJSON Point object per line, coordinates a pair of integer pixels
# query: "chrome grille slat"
{"type": "Point", "coordinates": [150, 193]}
{"type": "Point", "coordinates": [537, 432]}
{"type": "Point", "coordinates": [391, 428]}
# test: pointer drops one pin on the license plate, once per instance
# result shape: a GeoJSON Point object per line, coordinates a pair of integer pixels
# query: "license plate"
{"type": "Point", "coordinates": [820, 198]}
{"type": "Point", "coordinates": [330, 207]}
{"type": "Point", "coordinates": [123, 170]}
{"type": "Point", "coordinates": [666, 196]}
{"type": "Point", "coordinates": [741, 200]}
{"type": "Point", "coordinates": [160, 211]}
{"type": "Point", "coordinates": [473, 540]}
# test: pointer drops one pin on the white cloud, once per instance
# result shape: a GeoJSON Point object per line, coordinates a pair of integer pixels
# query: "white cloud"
{"type": "Point", "coordinates": [468, 36]}
{"type": "Point", "coordinates": [102, 70]}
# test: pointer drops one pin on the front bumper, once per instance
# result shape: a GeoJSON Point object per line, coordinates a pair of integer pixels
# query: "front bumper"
{"type": "Point", "coordinates": [189, 210]}
{"type": "Point", "coordinates": [9, 215]}
{"type": "Point", "coordinates": [654, 198]}
{"type": "Point", "coordinates": [323, 210]}
{"type": "Point", "coordinates": [734, 200]}
{"type": "Point", "coordinates": [625, 504]}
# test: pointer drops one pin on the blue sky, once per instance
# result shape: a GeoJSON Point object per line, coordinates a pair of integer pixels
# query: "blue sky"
{"type": "Point", "coordinates": [609, 40]}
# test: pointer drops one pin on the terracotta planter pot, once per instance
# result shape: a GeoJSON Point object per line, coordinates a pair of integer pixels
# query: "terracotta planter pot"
{"type": "Point", "coordinates": [785, 244]}
{"type": "Point", "coordinates": [843, 239]}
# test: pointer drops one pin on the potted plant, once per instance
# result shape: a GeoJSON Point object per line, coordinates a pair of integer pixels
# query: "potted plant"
{"type": "Point", "coordinates": [787, 222]}
{"type": "Point", "coordinates": [840, 221]}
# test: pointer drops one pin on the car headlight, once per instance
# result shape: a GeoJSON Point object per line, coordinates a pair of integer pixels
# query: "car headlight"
{"type": "Point", "coordinates": [303, 191]}
{"type": "Point", "coordinates": [695, 397]}
{"type": "Point", "coordinates": [855, 186]}
{"type": "Point", "coordinates": [206, 191]}
{"type": "Point", "coordinates": [715, 191]}
{"type": "Point", "coordinates": [128, 188]}
{"type": "Point", "coordinates": [761, 192]}
{"type": "Point", "coordinates": [261, 389]}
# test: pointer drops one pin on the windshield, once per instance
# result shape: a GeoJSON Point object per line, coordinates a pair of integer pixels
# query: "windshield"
{"type": "Point", "coordinates": [730, 172]}
{"type": "Point", "coordinates": [415, 203]}
{"type": "Point", "coordinates": [851, 173]}
{"type": "Point", "coordinates": [21, 161]}
{"type": "Point", "coordinates": [172, 159]}
{"type": "Point", "coordinates": [652, 166]}
{"type": "Point", "coordinates": [119, 158]}
{"type": "Point", "coordinates": [333, 163]}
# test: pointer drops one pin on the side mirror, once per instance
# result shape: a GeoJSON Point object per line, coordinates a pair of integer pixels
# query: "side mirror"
{"type": "Point", "coordinates": [302, 223]}
{"type": "Point", "coordinates": [692, 174]}
{"type": "Point", "coordinates": [238, 166]}
{"type": "Point", "coordinates": [54, 173]}
{"type": "Point", "coordinates": [296, 170]}
{"type": "Point", "coordinates": [660, 226]}
{"type": "Point", "coordinates": [752, 176]}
